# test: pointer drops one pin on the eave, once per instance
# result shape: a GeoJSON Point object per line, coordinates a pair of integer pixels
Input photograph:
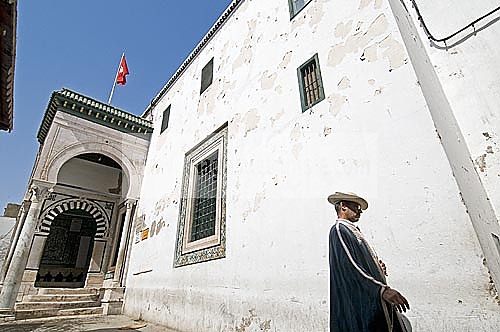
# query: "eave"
{"type": "Point", "coordinates": [84, 107]}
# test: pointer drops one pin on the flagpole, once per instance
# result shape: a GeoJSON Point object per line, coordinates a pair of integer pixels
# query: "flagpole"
{"type": "Point", "coordinates": [114, 82]}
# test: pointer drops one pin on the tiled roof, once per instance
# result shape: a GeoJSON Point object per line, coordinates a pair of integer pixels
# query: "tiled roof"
{"type": "Point", "coordinates": [90, 109]}
{"type": "Point", "coordinates": [220, 22]}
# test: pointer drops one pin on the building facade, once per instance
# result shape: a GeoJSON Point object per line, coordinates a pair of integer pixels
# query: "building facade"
{"type": "Point", "coordinates": [281, 104]}
{"type": "Point", "coordinates": [303, 99]}
{"type": "Point", "coordinates": [80, 200]}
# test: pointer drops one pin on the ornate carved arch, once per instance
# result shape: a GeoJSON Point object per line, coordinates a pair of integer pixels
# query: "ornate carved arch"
{"type": "Point", "coordinates": [93, 209]}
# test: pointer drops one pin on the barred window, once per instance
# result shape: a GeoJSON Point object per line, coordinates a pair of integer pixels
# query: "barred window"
{"type": "Point", "coordinates": [310, 83]}
{"type": "Point", "coordinates": [205, 198]}
{"type": "Point", "coordinates": [165, 118]}
{"type": "Point", "coordinates": [296, 6]}
{"type": "Point", "coordinates": [207, 74]}
{"type": "Point", "coordinates": [202, 220]}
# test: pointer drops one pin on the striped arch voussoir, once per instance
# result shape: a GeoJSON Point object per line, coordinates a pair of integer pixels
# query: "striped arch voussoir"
{"type": "Point", "coordinates": [74, 204]}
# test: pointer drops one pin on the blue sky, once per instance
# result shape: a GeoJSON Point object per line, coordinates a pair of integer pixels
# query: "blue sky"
{"type": "Point", "coordinates": [77, 45]}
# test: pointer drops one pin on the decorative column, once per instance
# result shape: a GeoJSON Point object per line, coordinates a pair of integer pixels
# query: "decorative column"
{"type": "Point", "coordinates": [19, 258]}
{"type": "Point", "coordinates": [123, 248]}
{"type": "Point", "coordinates": [14, 238]}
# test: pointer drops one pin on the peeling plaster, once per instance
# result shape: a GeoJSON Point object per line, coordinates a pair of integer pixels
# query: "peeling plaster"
{"type": "Point", "coordinates": [357, 41]}
{"type": "Point", "coordinates": [336, 102]}
{"type": "Point", "coordinates": [276, 117]}
{"type": "Point", "coordinates": [316, 14]}
{"type": "Point", "coordinates": [251, 120]}
{"type": "Point", "coordinates": [296, 150]}
{"type": "Point", "coordinates": [286, 60]}
{"type": "Point", "coordinates": [267, 80]}
{"type": "Point", "coordinates": [258, 199]}
{"type": "Point", "coordinates": [296, 133]}
{"type": "Point", "coordinates": [370, 53]}
{"type": "Point", "coordinates": [235, 125]}
{"type": "Point", "coordinates": [253, 323]}
{"type": "Point", "coordinates": [244, 57]}
{"type": "Point", "coordinates": [343, 29]}
{"type": "Point", "coordinates": [481, 162]}
{"type": "Point", "coordinates": [344, 83]}
{"type": "Point", "coordinates": [394, 52]}
{"type": "Point", "coordinates": [364, 3]}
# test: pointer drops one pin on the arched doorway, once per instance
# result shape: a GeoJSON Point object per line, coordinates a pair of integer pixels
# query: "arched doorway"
{"type": "Point", "coordinates": [68, 250]}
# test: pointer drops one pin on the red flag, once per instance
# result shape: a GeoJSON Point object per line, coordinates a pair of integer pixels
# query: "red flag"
{"type": "Point", "coordinates": [122, 72]}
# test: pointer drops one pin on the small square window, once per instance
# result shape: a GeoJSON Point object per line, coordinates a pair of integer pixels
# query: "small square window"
{"type": "Point", "coordinates": [165, 118]}
{"type": "Point", "coordinates": [202, 221]}
{"type": "Point", "coordinates": [207, 74]}
{"type": "Point", "coordinates": [296, 6]}
{"type": "Point", "coordinates": [310, 83]}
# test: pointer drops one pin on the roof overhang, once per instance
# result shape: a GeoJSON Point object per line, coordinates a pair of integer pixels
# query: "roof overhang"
{"type": "Point", "coordinates": [8, 23]}
{"type": "Point", "coordinates": [84, 107]}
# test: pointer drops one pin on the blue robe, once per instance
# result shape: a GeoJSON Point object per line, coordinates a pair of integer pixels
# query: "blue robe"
{"type": "Point", "coordinates": [355, 297]}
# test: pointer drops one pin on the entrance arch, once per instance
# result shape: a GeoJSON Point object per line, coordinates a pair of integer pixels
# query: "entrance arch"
{"type": "Point", "coordinates": [93, 209]}
{"type": "Point", "coordinates": [68, 250]}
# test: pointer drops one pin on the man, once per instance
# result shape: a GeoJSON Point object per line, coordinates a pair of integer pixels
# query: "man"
{"type": "Point", "coordinates": [360, 300]}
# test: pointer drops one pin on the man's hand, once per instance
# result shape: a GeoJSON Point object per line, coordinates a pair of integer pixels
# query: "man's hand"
{"type": "Point", "coordinates": [397, 300]}
{"type": "Point", "coordinates": [382, 266]}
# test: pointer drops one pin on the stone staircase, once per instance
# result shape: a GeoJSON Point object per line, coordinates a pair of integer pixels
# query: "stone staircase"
{"type": "Point", "coordinates": [51, 302]}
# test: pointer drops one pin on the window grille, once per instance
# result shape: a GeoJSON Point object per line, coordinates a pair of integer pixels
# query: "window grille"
{"type": "Point", "coordinates": [311, 86]}
{"type": "Point", "coordinates": [205, 198]}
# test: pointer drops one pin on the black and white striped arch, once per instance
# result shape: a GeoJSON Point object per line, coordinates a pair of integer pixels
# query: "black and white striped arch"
{"type": "Point", "coordinates": [75, 204]}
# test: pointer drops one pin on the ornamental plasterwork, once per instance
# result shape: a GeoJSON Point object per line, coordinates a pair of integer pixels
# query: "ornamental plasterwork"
{"type": "Point", "coordinates": [216, 251]}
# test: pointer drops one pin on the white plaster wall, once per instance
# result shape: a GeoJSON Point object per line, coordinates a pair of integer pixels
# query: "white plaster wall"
{"type": "Point", "coordinates": [441, 75]}
{"type": "Point", "coordinates": [372, 134]}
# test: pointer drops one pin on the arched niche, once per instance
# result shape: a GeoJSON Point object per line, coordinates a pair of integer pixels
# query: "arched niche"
{"type": "Point", "coordinates": [95, 172]}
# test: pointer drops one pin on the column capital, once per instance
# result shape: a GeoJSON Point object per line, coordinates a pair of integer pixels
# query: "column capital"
{"type": "Point", "coordinates": [39, 193]}
{"type": "Point", "coordinates": [129, 203]}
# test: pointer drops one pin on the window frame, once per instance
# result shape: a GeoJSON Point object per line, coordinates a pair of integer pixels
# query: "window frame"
{"type": "Point", "coordinates": [302, 91]}
{"type": "Point", "coordinates": [164, 123]}
{"type": "Point", "coordinates": [214, 246]}
{"type": "Point", "coordinates": [294, 12]}
{"type": "Point", "coordinates": [208, 69]}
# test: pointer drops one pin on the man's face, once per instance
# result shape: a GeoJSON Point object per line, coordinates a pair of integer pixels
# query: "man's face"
{"type": "Point", "coordinates": [353, 211]}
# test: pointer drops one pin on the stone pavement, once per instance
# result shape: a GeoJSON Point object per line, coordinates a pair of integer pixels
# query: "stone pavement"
{"type": "Point", "coordinates": [96, 323]}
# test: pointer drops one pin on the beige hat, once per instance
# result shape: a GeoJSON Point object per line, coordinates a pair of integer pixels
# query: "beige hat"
{"type": "Point", "coordinates": [350, 197]}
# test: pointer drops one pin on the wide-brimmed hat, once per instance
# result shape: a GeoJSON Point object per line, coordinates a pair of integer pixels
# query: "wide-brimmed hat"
{"type": "Point", "coordinates": [350, 197]}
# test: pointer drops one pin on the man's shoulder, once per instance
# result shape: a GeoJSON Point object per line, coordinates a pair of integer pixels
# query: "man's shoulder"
{"type": "Point", "coordinates": [342, 227]}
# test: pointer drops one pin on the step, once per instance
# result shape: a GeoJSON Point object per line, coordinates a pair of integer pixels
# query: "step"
{"type": "Point", "coordinates": [67, 291]}
{"type": "Point", "coordinates": [55, 305]}
{"type": "Point", "coordinates": [31, 314]}
{"type": "Point", "coordinates": [61, 298]}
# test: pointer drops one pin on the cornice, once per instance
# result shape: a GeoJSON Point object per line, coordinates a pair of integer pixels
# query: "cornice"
{"type": "Point", "coordinates": [92, 110]}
